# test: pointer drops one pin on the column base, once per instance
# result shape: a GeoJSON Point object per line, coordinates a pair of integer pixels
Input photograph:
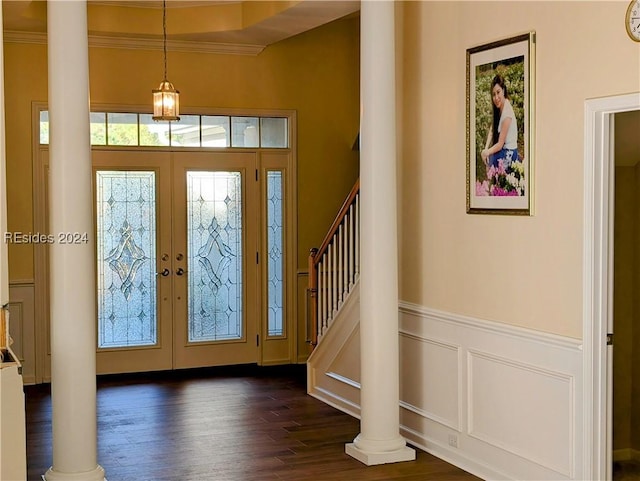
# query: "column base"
{"type": "Point", "coordinates": [373, 458]}
{"type": "Point", "coordinates": [96, 474]}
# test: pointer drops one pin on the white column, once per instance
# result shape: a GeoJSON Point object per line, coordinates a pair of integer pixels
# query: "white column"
{"type": "Point", "coordinates": [72, 266]}
{"type": "Point", "coordinates": [379, 440]}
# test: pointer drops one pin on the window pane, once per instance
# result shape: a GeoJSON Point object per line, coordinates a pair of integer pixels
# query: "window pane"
{"type": "Point", "coordinates": [215, 131]}
{"type": "Point", "coordinates": [186, 133]}
{"type": "Point", "coordinates": [244, 132]}
{"type": "Point", "coordinates": [214, 255]}
{"type": "Point", "coordinates": [152, 132]}
{"type": "Point", "coordinates": [98, 128]}
{"type": "Point", "coordinates": [44, 127]}
{"type": "Point", "coordinates": [122, 129]}
{"type": "Point", "coordinates": [273, 132]}
{"type": "Point", "coordinates": [126, 253]}
{"type": "Point", "coordinates": [275, 246]}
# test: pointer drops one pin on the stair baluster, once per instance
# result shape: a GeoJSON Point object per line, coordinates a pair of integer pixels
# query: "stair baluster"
{"type": "Point", "coordinates": [334, 268]}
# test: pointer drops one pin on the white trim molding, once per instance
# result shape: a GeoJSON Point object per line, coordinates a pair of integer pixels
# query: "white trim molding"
{"type": "Point", "coordinates": [598, 278]}
{"type": "Point", "coordinates": [144, 44]}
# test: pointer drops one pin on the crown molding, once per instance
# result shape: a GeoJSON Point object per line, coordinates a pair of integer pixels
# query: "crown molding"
{"type": "Point", "coordinates": [144, 44]}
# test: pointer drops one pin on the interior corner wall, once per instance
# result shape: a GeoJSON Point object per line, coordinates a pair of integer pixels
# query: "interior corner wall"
{"type": "Point", "coordinates": [517, 270]}
{"type": "Point", "coordinates": [635, 355]}
{"type": "Point", "coordinates": [625, 259]}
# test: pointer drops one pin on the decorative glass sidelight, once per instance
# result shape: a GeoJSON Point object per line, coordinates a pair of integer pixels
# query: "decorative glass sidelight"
{"type": "Point", "coordinates": [214, 256]}
{"type": "Point", "coordinates": [126, 252]}
{"type": "Point", "coordinates": [275, 249]}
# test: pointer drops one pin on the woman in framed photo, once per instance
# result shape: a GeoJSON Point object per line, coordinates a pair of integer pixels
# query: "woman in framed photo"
{"type": "Point", "coordinates": [502, 139]}
{"type": "Point", "coordinates": [500, 87]}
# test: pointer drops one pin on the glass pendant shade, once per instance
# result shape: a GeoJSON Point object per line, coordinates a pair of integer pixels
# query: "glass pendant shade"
{"type": "Point", "coordinates": [166, 102]}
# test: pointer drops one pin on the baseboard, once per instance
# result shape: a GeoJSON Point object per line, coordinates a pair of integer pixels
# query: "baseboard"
{"type": "Point", "coordinates": [452, 456]}
{"type": "Point", "coordinates": [339, 402]}
{"type": "Point", "coordinates": [626, 454]}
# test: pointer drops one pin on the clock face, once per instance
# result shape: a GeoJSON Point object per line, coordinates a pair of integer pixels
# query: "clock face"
{"type": "Point", "coordinates": [633, 20]}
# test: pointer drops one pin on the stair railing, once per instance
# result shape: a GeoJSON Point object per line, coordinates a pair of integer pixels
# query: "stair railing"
{"type": "Point", "coordinates": [334, 268]}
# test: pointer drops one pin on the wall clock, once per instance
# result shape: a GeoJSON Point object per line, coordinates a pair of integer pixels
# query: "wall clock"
{"type": "Point", "coordinates": [632, 20]}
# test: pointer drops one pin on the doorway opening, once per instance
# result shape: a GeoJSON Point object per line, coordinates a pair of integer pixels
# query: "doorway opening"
{"type": "Point", "coordinates": [598, 277]}
{"type": "Point", "coordinates": [626, 303]}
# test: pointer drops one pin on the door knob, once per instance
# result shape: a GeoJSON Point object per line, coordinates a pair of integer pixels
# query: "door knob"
{"type": "Point", "coordinates": [180, 271]}
{"type": "Point", "coordinates": [165, 272]}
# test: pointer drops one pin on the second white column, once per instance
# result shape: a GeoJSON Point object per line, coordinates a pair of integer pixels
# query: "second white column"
{"type": "Point", "coordinates": [379, 440]}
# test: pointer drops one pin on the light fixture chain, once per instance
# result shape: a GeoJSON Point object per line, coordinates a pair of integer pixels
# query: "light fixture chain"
{"type": "Point", "coordinates": [164, 35]}
{"type": "Point", "coordinates": [166, 103]}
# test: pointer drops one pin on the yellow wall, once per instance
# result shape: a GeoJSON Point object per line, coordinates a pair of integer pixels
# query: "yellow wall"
{"type": "Point", "coordinates": [524, 271]}
{"type": "Point", "coordinates": [315, 73]}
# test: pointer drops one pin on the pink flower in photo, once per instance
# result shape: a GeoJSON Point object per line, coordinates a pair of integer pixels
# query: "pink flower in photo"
{"type": "Point", "coordinates": [500, 192]}
{"type": "Point", "coordinates": [501, 168]}
{"type": "Point", "coordinates": [482, 189]}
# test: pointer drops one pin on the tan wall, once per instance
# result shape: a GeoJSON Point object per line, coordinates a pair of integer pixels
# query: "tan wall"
{"type": "Point", "coordinates": [315, 73]}
{"type": "Point", "coordinates": [524, 271]}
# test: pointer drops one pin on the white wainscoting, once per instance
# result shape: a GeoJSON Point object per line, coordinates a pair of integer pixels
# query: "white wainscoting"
{"type": "Point", "coordinates": [333, 368]}
{"type": "Point", "coordinates": [500, 401]}
{"type": "Point", "coordinates": [22, 326]}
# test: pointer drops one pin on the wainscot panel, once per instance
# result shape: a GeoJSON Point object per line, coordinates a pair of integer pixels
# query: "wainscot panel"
{"type": "Point", "coordinates": [22, 326]}
{"type": "Point", "coordinates": [513, 391]}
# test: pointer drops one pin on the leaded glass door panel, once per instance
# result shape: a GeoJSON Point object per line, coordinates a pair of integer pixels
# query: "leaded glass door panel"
{"type": "Point", "coordinates": [133, 248]}
{"type": "Point", "coordinates": [216, 295]}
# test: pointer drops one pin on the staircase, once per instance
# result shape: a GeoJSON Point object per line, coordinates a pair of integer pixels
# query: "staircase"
{"type": "Point", "coordinates": [333, 368]}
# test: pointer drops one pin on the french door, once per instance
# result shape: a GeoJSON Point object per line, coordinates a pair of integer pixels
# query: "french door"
{"type": "Point", "coordinates": [177, 235]}
{"type": "Point", "coordinates": [216, 305]}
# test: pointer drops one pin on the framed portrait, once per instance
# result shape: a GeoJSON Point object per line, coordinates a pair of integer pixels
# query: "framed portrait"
{"type": "Point", "coordinates": [500, 124]}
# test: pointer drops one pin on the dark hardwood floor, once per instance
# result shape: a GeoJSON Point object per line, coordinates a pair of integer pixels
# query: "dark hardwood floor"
{"type": "Point", "coordinates": [223, 424]}
{"type": "Point", "coordinates": [627, 470]}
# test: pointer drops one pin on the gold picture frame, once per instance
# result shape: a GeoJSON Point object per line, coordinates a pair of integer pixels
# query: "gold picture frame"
{"type": "Point", "coordinates": [500, 93]}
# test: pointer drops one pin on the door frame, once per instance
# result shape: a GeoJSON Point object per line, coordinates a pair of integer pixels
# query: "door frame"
{"type": "Point", "coordinates": [598, 278]}
{"type": "Point", "coordinates": [40, 256]}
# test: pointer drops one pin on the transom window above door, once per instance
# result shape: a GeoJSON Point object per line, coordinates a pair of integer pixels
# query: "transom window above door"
{"type": "Point", "coordinates": [225, 131]}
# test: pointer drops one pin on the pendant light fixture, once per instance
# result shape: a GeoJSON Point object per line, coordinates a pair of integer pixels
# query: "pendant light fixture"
{"type": "Point", "coordinates": [166, 99]}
